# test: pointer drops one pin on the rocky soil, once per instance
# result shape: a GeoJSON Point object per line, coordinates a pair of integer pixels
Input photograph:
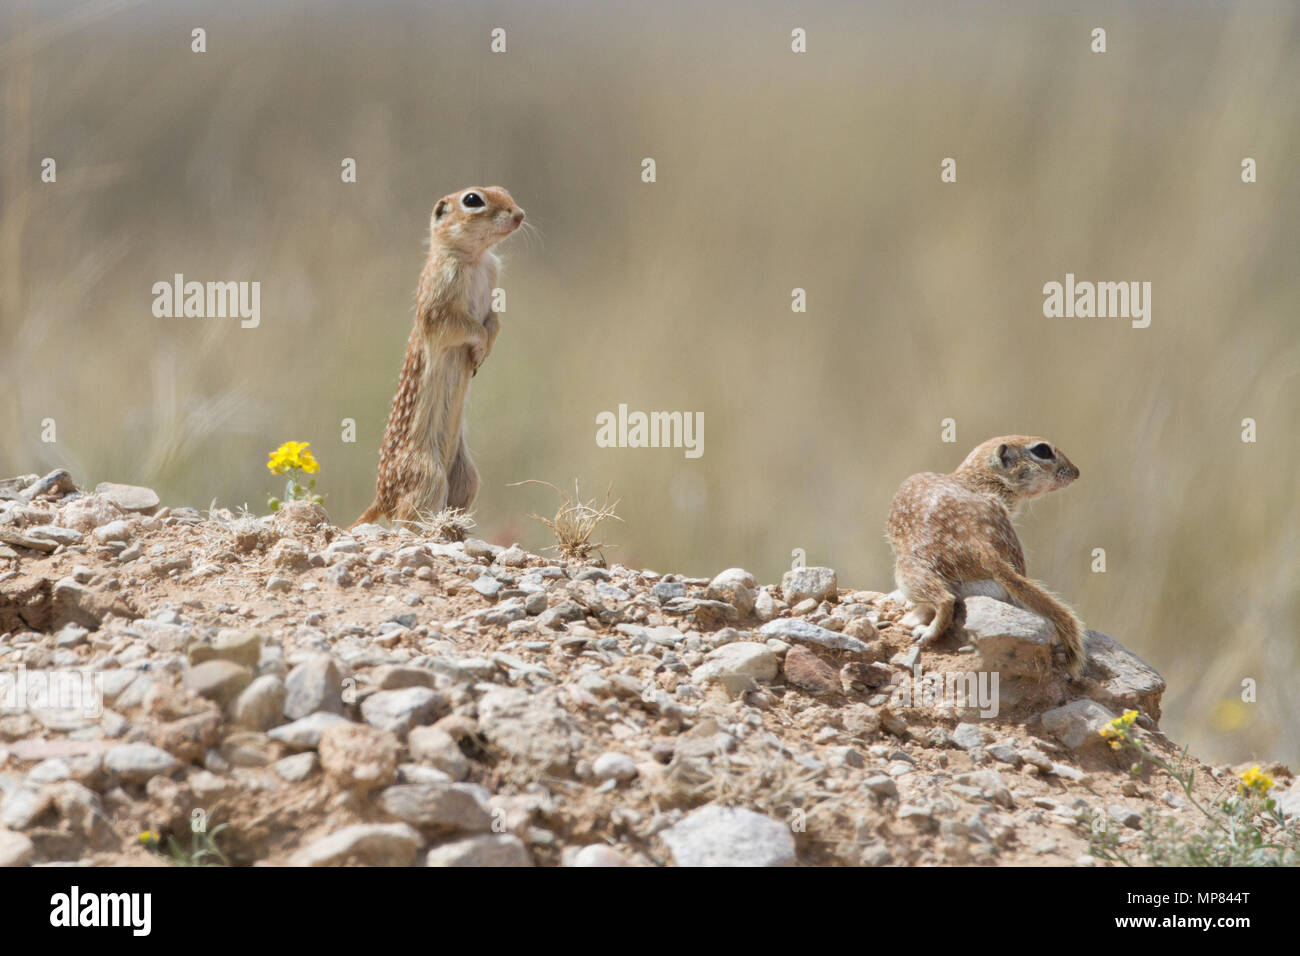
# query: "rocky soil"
{"type": "Point", "coordinates": [388, 699]}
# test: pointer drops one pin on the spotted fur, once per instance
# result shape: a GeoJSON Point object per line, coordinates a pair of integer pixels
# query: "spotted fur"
{"type": "Point", "coordinates": [949, 530]}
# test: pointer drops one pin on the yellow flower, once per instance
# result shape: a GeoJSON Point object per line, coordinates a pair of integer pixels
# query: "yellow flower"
{"type": "Point", "coordinates": [1119, 727]}
{"type": "Point", "coordinates": [292, 454]}
{"type": "Point", "coordinates": [149, 836]}
{"type": "Point", "coordinates": [1256, 779]}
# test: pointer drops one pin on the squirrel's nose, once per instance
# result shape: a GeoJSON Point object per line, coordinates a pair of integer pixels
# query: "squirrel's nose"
{"type": "Point", "coordinates": [519, 216]}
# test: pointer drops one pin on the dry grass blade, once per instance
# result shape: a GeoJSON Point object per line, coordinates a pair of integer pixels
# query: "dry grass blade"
{"type": "Point", "coordinates": [449, 524]}
{"type": "Point", "coordinates": [575, 521]}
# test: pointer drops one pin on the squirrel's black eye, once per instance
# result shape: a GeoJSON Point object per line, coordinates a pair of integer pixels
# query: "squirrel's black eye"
{"type": "Point", "coordinates": [1042, 450]}
{"type": "Point", "coordinates": [472, 201]}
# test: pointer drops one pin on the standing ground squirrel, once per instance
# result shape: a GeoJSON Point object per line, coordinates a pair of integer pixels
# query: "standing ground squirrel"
{"type": "Point", "coordinates": [947, 530]}
{"type": "Point", "coordinates": [424, 466]}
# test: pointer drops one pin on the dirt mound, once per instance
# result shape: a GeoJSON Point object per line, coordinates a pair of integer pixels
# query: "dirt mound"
{"type": "Point", "coordinates": [382, 698]}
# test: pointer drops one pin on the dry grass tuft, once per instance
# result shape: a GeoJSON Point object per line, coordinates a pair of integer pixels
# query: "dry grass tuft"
{"type": "Point", "coordinates": [449, 524]}
{"type": "Point", "coordinates": [575, 521]}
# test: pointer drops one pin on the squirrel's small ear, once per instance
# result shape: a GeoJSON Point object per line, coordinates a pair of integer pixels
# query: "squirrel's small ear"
{"type": "Point", "coordinates": [440, 209]}
{"type": "Point", "coordinates": [1004, 455]}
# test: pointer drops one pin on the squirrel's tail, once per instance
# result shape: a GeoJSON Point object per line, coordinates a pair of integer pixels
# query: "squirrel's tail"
{"type": "Point", "coordinates": [1032, 595]}
{"type": "Point", "coordinates": [373, 513]}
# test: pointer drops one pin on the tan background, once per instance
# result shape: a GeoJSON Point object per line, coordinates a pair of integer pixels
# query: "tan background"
{"type": "Point", "coordinates": [775, 171]}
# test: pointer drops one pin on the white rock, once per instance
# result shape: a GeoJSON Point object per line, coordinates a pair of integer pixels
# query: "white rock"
{"type": "Point", "coordinates": [90, 512]}
{"type": "Point", "coordinates": [128, 497]}
{"type": "Point", "coordinates": [15, 849]}
{"type": "Point", "coordinates": [22, 806]}
{"type": "Point", "coordinates": [375, 844]}
{"type": "Point", "coordinates": [486, 585]}
{"type": "Point", "coordinates": [316, 684]}
{"type": "Point", "coordinates": [614, 766]}
{"type": "Point", "coordinates": [305, 734]}
{"type": "Point", "coordinates": [435, 746]}
{"type": "Point", "coordinates": [727, 836]}
{"type": "Point", "coordinates": [136, 763]}
{"type": "Point", "coordinates": [1010, 639]}
{"type": "Point", "coordinates": [260, 705]}
{"type": "Point", "coordinates": [400, 710]}
{"type": "Point", "coordinates": [968, 736]}
{"type": "Point", "coordinates": [459, 807]}
{"type": "Point", "coordinates": [296, 767]}
{"type": "Point", "coordinates": [1078, 724]}
{"type": "Point", "coordinates": [416, 556]}
{"type": "Point", "coordinates": [55, 533]}
{"type": "Point", "coordinates": [489, 849]}
{"type": "Point", "coordinates": [117, 530]}
{"type": "Point", "coordinates": [740, 658]}
{"type": "Point", "coordinates": [805, 632]}
{"type": "Point", "coordinates": [1288, 801]}
{"type": "Point", "coordinates": [802, 584]}
{"type": "Point", "coordinates": [737, 587]}
{"type": "Point", "coordinates": [1118, 678]}
{"type": "Point", "coordinates": [530, 726]}
{"type": "Point", "coordinates": [598, 854]}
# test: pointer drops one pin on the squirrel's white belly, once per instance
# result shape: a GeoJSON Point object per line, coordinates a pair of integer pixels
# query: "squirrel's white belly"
{"type": "Point", "coordinates": [479, 291]}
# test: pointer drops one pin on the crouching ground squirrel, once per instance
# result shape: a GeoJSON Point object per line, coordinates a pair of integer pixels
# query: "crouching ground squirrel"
{"type": "Point", "coordinates": [949, 530]}
{"type": "Point", "coordinates": [424, 466]}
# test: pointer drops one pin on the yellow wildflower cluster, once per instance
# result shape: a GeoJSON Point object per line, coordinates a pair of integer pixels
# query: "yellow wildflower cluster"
{"type": "Point", "coordinates": [1257, 780]}
{"type": "Point", "coordinates": [1117, 729]}
{"type": "Point", "coordinates": [292, 454]}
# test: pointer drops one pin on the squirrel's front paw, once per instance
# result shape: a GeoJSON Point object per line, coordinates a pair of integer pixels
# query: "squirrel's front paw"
{"type": "Point", "coordinates": [477, 354]}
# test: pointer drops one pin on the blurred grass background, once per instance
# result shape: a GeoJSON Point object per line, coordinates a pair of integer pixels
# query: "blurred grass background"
{"type": "Point", "coordinates": [775, 171]}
